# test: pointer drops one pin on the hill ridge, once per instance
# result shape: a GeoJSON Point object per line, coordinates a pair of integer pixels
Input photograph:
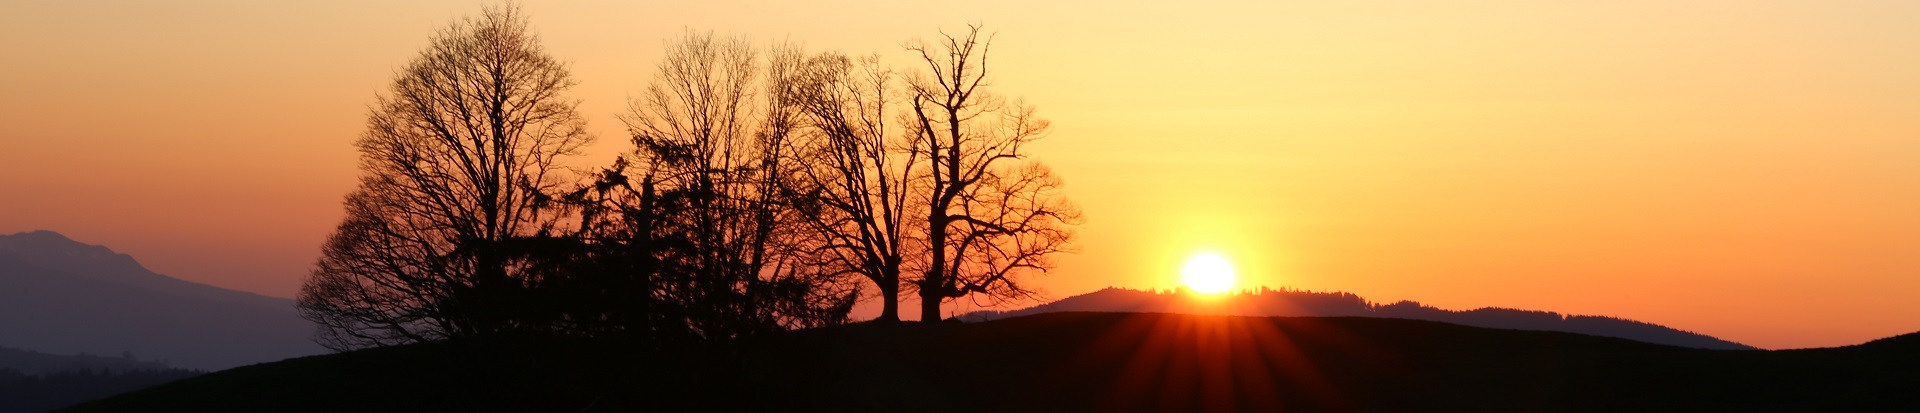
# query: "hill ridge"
{"type": "Point", "coordinates": [1289, 302]}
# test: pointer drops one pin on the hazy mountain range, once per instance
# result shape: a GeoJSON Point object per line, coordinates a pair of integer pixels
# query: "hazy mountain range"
{"type": "Point", "coordinates": [64, 297]}
{"type": "Point", "coordinates": [1289, 303]}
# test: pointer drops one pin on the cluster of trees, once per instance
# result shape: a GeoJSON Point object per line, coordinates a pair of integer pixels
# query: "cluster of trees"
{"type": "Point", "coordinates": [766, 189]}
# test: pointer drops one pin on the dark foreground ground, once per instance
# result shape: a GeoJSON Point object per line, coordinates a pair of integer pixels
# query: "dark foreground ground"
{"type": "Point", "coordinates": [1072, 362]}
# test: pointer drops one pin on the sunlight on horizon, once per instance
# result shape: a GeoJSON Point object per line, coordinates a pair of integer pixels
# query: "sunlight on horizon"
{"type": "Point", "coordinates": [1739, 171]}
{"type": "Point", "coordinates": [1208, 273]}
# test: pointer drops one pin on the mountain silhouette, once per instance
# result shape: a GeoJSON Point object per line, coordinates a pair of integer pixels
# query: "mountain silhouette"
{"type": "Point", "coordinates": [1291, 303]}
{"type": "Point", "coordinates": [66, 297]}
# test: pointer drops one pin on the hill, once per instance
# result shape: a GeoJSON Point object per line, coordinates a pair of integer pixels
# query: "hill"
{"type": "Point", "coordinates": [1068, 362]}
{"type": "Point", "coordinates": [62, 296]}
{"type": "Point", "coordinates": [1289, 303]}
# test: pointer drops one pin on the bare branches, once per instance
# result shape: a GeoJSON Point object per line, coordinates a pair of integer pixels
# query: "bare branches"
{"type": "Point", "coordinates": [992, 214]}
{"type": "Point", "coordinates": [760, 183]}
{"type": "Point", "coordinates": [855, 177]}
{"type": "Point", "coordinates": [710, 132]}
{"type": "Point", "coordinates": [457, 158]}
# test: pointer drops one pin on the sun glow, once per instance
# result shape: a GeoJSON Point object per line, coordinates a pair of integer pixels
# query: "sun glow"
{"type": "Point", "coordinates": [1208, 273]}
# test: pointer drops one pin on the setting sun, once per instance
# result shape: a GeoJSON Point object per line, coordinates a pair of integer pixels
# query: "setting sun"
{"type": "Point", "coordinates": [1208, 273]}
{"type": "Point", "coordinates": [628, 205]}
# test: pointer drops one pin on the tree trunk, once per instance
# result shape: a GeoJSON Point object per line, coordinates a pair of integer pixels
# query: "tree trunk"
{"type": "Point", "coordinates": [930, 285]}
{"type": "Point", "coordinates": [889, 302]}
{"type": "Point", "coordinates": [930, 305]}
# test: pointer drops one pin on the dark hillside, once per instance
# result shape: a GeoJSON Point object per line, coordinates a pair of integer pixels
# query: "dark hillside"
{"type": "Point", "coordinates": [35, 393]}
{"type": "Point", "coordinates": [1070, 362]}
{"type": "Point", "coordinates": [33, 382]}
{"type": "Point", "coordinates": [1903, 342]}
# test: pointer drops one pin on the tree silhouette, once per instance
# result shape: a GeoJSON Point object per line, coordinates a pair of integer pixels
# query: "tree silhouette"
{"type": "Point", "coordinates": [991, 214]}
{"type": "Point", "coordinates": [708, 135]}
{"type": "Point", "coordinates": [756, 189]}
{"type": "Point", "coordinates": [855, 176]}
{"type": "Point", "coordinates": [456, 163]}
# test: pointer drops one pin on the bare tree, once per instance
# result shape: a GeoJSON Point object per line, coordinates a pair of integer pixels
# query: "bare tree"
{"type": "Point", "coordinates": [992, 215]}
{"type": "Point", "coordinates": [708, 134]}
{"type": "Point", "coordinates": [457, 160]}
{"type": "Point", "coordinates": [854, 177]}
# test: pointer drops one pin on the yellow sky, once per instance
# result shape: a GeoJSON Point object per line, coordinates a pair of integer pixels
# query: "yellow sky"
{"type": "Point", "coordinates": [1749, 170]}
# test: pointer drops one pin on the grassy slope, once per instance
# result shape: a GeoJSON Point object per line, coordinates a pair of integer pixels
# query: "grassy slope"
{"type": "Point", "coordinates": [1072, 362]}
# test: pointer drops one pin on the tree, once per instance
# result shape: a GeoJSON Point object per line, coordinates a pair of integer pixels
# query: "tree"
{"type": "Point", "coordinates": [708, 134]}
{"type": "Point", "coordinates": [854, 178]}
{"type": "Point", "coordinates": [992, 215]}
{"type": "Point", "coordinates": [457, 162]}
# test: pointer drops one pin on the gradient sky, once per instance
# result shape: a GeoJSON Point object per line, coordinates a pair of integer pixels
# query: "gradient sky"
{"type": "Point", "coordinates": [1748, 170]}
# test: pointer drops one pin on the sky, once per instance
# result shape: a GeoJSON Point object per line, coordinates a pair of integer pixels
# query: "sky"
{"type": "Point", "coordinates": [1747, 170]}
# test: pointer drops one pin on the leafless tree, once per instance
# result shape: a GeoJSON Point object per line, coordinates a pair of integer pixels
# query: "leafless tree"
{"type": "Point", "coordinates": [855, 174]}
{"type": "Point", "coordinates": [709, 132]}
{"type": "Point", "coordinates": [992, 214]}
{"type": "Point", "coordinates": [457, 162]}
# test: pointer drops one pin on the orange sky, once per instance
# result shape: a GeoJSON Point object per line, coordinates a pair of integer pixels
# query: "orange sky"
{"type": "Point", "coordinates": [1745, 170]}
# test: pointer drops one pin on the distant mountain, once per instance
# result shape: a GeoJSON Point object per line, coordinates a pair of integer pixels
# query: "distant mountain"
{"type": "Point", "coordinates": [1289, 303]}
{"type": "Point", "coordinates": [62, 296]}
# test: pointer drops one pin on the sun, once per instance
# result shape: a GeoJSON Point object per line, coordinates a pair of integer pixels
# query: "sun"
{"type": "Point", "coordinates": [1208, 273]}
